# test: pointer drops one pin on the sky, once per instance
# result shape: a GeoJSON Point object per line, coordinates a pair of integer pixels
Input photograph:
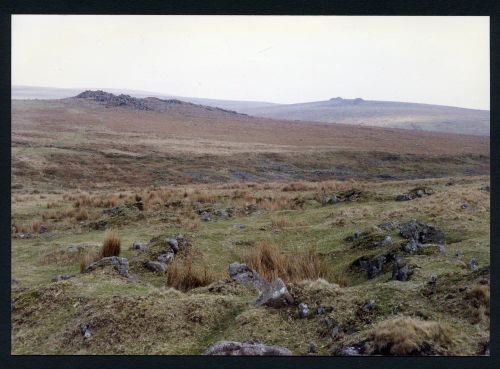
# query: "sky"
{"type": "Point", "coordinates": [282, 59]}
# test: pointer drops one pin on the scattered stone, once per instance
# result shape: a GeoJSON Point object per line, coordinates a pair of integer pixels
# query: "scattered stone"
{"type": "Point", "coordinates": [412, 246]}
{"type": "Point", "coordinates": [387, 241]}
{"type": "Point", "coordinates": [442, 250]}
{"type": "Point", "coordinates": [348, 351]}
{"type": "Point", "coordinates": [155, 266]}
{"type": "Point", "coordinates": [373, 266]}
{"type": "Point", "coordinates": [239, 226]}
{"type": "Point", "coordinates": [485, 189]}
{"type": "Point", "coordinates": [432, 279]}
{"type": "Point", "coordinates": [459, 253]}
{"type": "Point", "coordinates": [173, 244]}
{"type": "Point", "coordinates": [389, 225]}
{"type": "Point", "coordinates": [465, 206]}
{"type": "Point", "coordinates": [246, 348]}
{"type": "Point", "coordinates": [335, 332]}
{"type": "Point", "coordinates": [241, 273]}
{"type": "Point", "coordinates": [113, 212]}
{"type": "Point", "coordinates": [401, 271]}
{"type": "Point", "coordinates": [320, 310]}
{"type": "Point", "coordinates": [73, 249]}
{"type": "Point", "coordinates": [422, 233]}
{"type": "Point", "coordinates": [119, 264]}
{"type": "Point", "coordinates": [85, 331]}
{"type": "Point", "coordinates": [205, 216]}
{"type": "Point", "coordinates": [368, 306]}
{"type": "Point", "coordinates": [139, 246]}
{"type": "Point", "coordinates": [166, 258]}
{"type": "Point", "coordinates": [139, 205]}
{"type": "Point", "coordinates": [473, 264]}
{"type": "Point", "coordinates": [25, 236]}
{"type": "Point", "coordinates": [330, 200]}
{"type": "Point", "coordinates": [357, 235]}
{"type": "Point", "coordinates": [43, 228]}
{"type": "Point", "coordinates": [303, 310]}
{"type": "Point", "coordinates": [312, 348]}
{"type": "Point", "coordinates": [415, 193]}
{"type": "Point", "coordinates": [275, 295]}
{"type": "Point", "coordinates": [61, 277]}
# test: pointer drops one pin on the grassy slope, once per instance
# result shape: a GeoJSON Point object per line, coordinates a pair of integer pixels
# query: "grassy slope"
{"type": "Point", "coordinates": [145, 317]}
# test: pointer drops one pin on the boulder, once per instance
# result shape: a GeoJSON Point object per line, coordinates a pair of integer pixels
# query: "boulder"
{"type": "Point", "coordinates": [473, 264]}
{"type": "Point", "coordinates": [389, 225]}
{"type": "Point", "coordinates": [243, 274]}
{"type": "Point", "coordinates": [275, 295]}
{"type": "Point", "coordinates": [459, 253]}
{"type": "Point", "coordinates": [139, 246]}
{"type": "Point", "coordinates": [373, 266]}
{"type": "Point", "coordinates": [422, 233]}
{"type": "Point", "coordinates": [85, 331]}
{"type": "Point", "coordinates": [155, 266]}
{"type": "Point", "coordinates": [401, 271]}
{"type": "Point", "coordinates": [412, 246]}
{"type": "Point", "coordinates": [166, 258]}
{"type": "Point", "coordinates": [303, 310]}
{"type": "Point", "coordinates": [43, 228]}
{"type": "Point", "coordinates": [387, 241]}
{"type": "Point", "coordinates": [173, 244]}
{"type": "Point", "coordinates": [60, 277]}
{"type": "Point", "coordinates": [119, 264]}
{"type": "Point", "coordinates": [246, 348]}
{"type": "Point", "coordinates": [348, 351]}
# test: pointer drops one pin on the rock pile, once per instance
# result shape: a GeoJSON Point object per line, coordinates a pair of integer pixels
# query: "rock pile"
{"type": "Point", "coordinates": [246, 348]}
{"type": "Point", "coordinates": [415, 193]}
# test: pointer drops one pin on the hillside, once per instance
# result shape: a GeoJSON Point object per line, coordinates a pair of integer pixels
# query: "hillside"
{"type": "Point", "coordinates": [382, 114]}
{"type": "Point", "coordinates": [387, 114]}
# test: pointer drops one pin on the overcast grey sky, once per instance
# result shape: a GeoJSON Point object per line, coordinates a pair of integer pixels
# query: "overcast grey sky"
{"type": "Point", "coordinates": [437, 60]}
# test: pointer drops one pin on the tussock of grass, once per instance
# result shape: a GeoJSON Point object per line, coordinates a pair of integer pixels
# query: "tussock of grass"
{"type": "Point", "coordinates": [88, 258]}
{"type": "Point", "coordinates": [270, 262]}
{"type": "Point", "coordinates": [111, 244]}
{"type": "Point", "coordinates": [183, 275]}
{"type": "Point", "coordinates": [407, 336]}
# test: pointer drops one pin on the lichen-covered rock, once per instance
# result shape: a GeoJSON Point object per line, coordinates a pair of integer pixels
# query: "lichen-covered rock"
{"type": "Point", "coordinates": [303, 310]}
{"type": "Point", "coordinates": [155, 266]}
{"type": "Point", "coordinates": [275, 295]}
{"type": "Point", "coordinates": [246, 348]}
{"type": "Point", "coordinates": [422, 233]}
{"type": "Point", "coordinates": [166, 258]}
{"type": "Point", "coordinates": [119, 264]}
{"type": "Point", "coordinates": [243, 274]}
{"type": "Point", "coordinates": [140, 246]}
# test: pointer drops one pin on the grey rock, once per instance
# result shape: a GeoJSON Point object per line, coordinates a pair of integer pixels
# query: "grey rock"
{"type": "Point", "coordinates": [335, 332]}
{"type": "Point", "coordinates": [387, 241]}
{"type": "Point", "coordinates": [166, 258]}
{"type": "Point", "coordinates": [432, 279]}
{"type": "Point", "coordinates": [239, 226]}
{"type": "Point", "coordinates": [473, 264]}
{"type": "Point", "coordinates": [357, 235]}
{"type": "Point", "coordinates": [332, 199]}
{"type": "Point", "coordinates": [155, 266]}
{"type": "Point", "coordinates": [25, 236]}
{"type": "Point", "coordinates": [320, 310]}
{"type": "Point", "coordinates": [43, 229]}
{"type": "Point", "coordinates": [404, 197]}
{"type": "Point", "coordinates": [401, 271]}
{"type": "Point", "coordinates": [412, 246]}
{"type": "Point", "coordinates": [139, 205]}
{"type": "Point", "coordinates": [373, 266]}
{"type": "Point", "coordinates": [311, 348]}
{"type": "Point", "coordinates": [205, 216]}
{"type": "Point", "coordinates": [275, 295]}
{"type": "Point", "coordinates": [422, 233]}
{"type": "Point", "coordinates": [173, 244]}
{"type": "Point", "coordinates": [243, 274]}
{"type": "Point", "coordinates": [140, 246]}
{"type": "Point", "coordinates": [348, 351]}
{"type": "Point", "coordinates": [246, 348]}
{"type": "Point", "coordinates": [119, 264]}
{"type": "Point", "coordinates": [459, 253]}
{"type": "Point", "coordinates": [465, 206]}
{"type": "Point", "coordinates": [61, 277]}
{"type": "Point", "coordinates": [303, 310]}
{"type": "Point", "coordinates": [85, 331]}
{"type": "Point", "coordinates": [442, 250]}
{"type": "Point", "coordinates": [73, 249]}
{"type": "Point", "coordinates": [389, 225]}
{"type": "Point", "coordinates": [368, 306]}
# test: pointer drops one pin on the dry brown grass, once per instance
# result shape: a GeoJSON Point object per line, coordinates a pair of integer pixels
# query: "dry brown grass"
{"type": "Point", "coordinates": [479, 298]}
{"type": "Point", "coordinates": [32, 227]}
{"type": "Point", "coordinates": [183, 275]}
{"type": "Point", "coordinates": [111, 244]}
{"type": "Point", "coordinates": [270, 262]}
{"type": "Point", "coordinates": [88, 258]}
{"type": "Point", "coordinates": [408, 336]}
{"type": "Point", "coordinates": [280, 222]}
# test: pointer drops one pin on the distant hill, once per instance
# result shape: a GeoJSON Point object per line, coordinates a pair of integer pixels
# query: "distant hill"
{"type": "Point", "coordinates": [382, 114]}
{"type": "Point", "coordinates": [387, 114]}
